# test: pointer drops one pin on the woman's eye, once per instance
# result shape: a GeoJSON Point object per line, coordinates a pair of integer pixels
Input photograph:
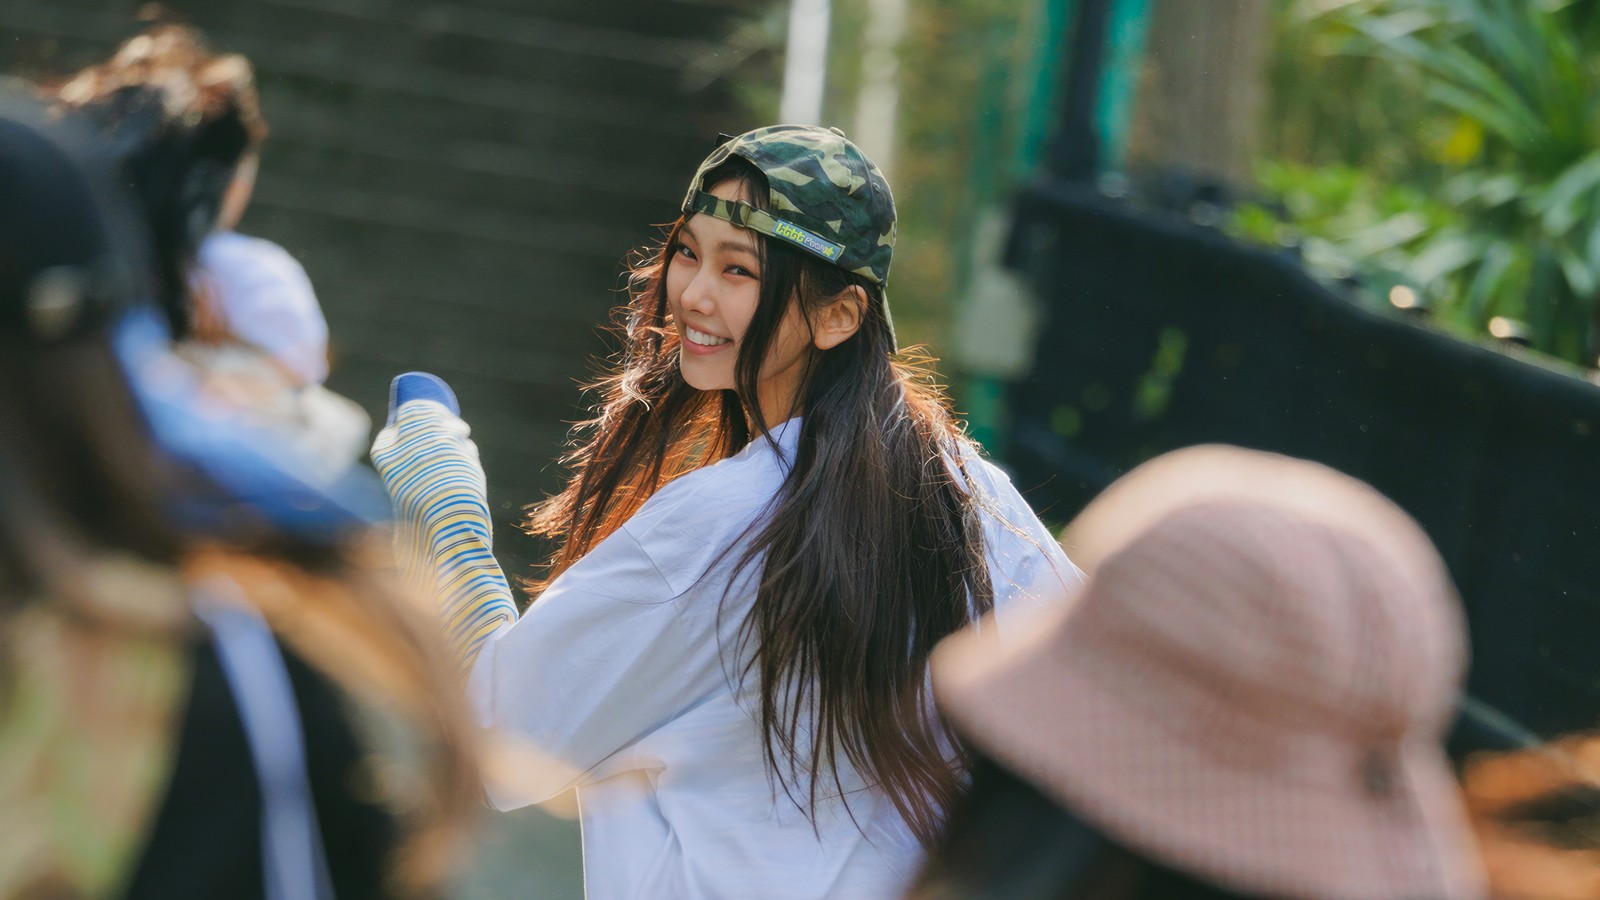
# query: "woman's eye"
{"type": "Point", "coordinates": [741, 271]}
{"type": "Point", "coordinates": [683, 251]}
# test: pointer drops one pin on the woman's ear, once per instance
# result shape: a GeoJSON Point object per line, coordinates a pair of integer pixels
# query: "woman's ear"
{"type": "Point", "coordinates": [841, 318]}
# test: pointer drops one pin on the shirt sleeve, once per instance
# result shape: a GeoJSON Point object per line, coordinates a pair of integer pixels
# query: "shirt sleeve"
{"type": "Point", "coordinates": [613, 649]}
{"type": "Point", "coordinates": [601, 659]}
{"type": "Point", "coordinates": [444, 540]}
{"type": "Point", "coordinates": [1027, 565]}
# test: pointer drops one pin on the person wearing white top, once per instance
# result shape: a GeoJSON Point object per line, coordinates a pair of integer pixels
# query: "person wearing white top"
{"type": "Point", "coordinates": [261, 336]}
{"type": "Point", "coordinates": [265, 350]}
{"type": "Point", "coordinates": [186, 125]}
{"type": "Point", "coordinates": [771, 521]}
{"type": "Point", "coordinates": [263, 298]}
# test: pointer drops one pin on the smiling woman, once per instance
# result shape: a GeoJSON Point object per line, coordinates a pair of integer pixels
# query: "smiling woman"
{"type": "Point", "coordinates": [772, 518]}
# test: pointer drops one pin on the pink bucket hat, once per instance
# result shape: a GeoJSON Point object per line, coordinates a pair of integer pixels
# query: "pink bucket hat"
{"type": "Point", "coordinates": [1252, 687]}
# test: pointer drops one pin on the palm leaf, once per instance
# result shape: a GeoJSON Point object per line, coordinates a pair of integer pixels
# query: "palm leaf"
{"type": "Point", "coordinates": [1489, 281]}
{"type": "Point", "coordinates": [1580, 276]}
{"type": "Point", "coordinates": [1562, 205]}
{"type": "Point", "coordinates": [1445, 254]}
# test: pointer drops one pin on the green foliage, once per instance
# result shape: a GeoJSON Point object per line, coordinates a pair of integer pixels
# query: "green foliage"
{"type": "Point", "coordinates": [1347, 223]}
{"type": "Point", "coordinates": [950, 50]}
{"type": "Point", "coordinates": [1486, 111]}
{"type": "Point", "coordinates": [1327, 106]}
{"type": "Point", "coordinates": [1154, 392]}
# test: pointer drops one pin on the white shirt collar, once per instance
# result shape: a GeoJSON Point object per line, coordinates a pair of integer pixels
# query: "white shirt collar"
{"type": "Point", "coordinates": [785, 437]}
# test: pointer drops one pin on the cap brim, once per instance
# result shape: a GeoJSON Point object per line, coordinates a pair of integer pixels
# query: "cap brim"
{"type": "Point", "coordinates": [1295, 826]}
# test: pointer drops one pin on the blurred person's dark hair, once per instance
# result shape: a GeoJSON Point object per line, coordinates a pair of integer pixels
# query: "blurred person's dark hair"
{"type": "Point", "coordinates": [1008, 841]}
{"type": "Point", "coordinates": [73, 469]}
{"type": "Point", "coordinates": [84, 481]}
{"type": "Point", "coordinates": [184, 118]}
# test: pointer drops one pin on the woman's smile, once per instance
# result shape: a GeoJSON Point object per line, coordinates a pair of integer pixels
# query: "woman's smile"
{"type": "Point", "coordinates": [701, 342]}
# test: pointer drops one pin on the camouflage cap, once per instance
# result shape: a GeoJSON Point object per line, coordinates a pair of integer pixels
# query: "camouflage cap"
{"type": "Point", "coordinates": [825, 197]}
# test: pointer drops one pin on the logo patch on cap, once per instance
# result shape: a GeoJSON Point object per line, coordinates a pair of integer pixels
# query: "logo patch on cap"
{"type": "Point", "coordinates": [805, 240]}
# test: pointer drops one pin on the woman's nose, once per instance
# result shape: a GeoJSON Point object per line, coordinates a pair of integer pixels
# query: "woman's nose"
{"type": "Point", "coordinates": [697, 295]}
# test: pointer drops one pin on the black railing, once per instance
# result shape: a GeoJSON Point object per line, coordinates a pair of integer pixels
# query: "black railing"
{"type": "Point", "coordinates": [1162, 334]}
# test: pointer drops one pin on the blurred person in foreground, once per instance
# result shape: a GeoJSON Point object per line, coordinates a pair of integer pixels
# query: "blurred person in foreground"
{"type": "Point", "coordinates": [204, 692]}
{"type": "Point", "coordinates": [188, 122]}
{"type": "Point", "coordinates": [1247, 699]}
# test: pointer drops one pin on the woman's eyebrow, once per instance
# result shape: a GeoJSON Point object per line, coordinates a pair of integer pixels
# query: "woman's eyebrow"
{"type": "Point", "coordinates": [725, 245]}
{"type": "Point", "coordinates": [737, 246]}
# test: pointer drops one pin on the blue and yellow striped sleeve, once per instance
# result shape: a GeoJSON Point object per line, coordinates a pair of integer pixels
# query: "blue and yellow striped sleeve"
{"type": "Point", "coordinates": [444, 539]}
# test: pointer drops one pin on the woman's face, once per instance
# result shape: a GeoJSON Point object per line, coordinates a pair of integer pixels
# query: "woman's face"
{"type": "Point", "coordinates": [713, 286]}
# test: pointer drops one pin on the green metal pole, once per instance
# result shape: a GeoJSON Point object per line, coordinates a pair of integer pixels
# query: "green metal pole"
{"type": "Point", "coordinates": [1048, 24]}
{"type": "Point", "coordinates": [1051, 28]}
{"type": "Point", "coordinates": [1119, 82]}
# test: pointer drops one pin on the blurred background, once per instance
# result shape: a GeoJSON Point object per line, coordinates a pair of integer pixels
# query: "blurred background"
{"type": "Point", "coordinates": [1365, 232]}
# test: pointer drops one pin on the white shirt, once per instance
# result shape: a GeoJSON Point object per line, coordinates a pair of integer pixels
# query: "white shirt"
{"type": "Point", "coordinates": [616, 678]}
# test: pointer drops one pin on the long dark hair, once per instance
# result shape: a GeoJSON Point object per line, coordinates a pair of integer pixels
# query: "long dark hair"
{"type": "Point", "coordinates": [1007, 841]}
{"type": "Point", "coordinates": [68, 479]}
{"type": "Point", "coordinates": [871, 552]}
